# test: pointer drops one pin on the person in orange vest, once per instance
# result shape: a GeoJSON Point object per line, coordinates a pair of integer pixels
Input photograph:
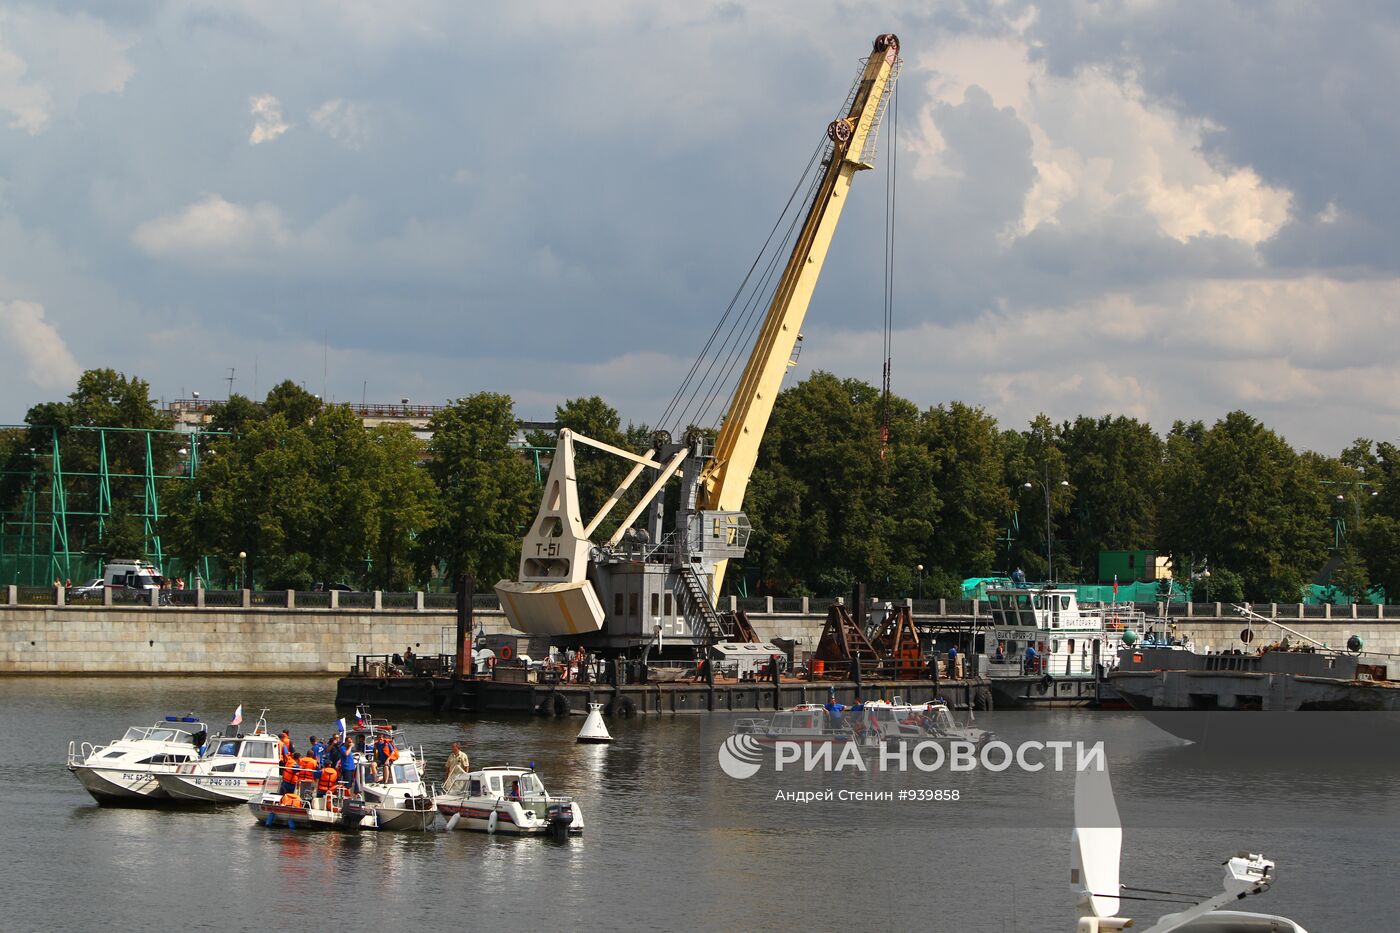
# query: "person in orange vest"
{"type": "Point", "coordinates": [307, 766]}
{"type": "Point", "coordinates": [385, 754]}
{"type": "Point", "coordinates": [326, 781]}
{"type": "Point", "coordinates": [289, 772]}
{"type": "Point", "coordinates": [286, 739]}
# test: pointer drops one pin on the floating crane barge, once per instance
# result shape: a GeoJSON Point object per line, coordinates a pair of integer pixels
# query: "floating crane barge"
{"type": "Point", "coordinates": [647, 592]}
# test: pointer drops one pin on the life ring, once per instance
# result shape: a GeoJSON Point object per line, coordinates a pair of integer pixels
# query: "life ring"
{"type": "Point", "coordinates": [560, 705]}
{"type": "Point", "coordinates": [506, 652]}
{"type": "Point", "coordinates": [1046, 682]}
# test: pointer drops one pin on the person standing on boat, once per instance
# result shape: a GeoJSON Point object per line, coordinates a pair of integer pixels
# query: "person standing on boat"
{"type": "Point", "coordinates": [318, 750]}
{"type": "Point", "coordinates": [350, 768]}
{"type": "Point", "coordinates": [457, 761]}
{"type": "Point", "coordinates": [286, 740]}
{"type": "Point", "coordinates": [1032, 660]}
{"type": "Point", "coordinates": [289, 772]}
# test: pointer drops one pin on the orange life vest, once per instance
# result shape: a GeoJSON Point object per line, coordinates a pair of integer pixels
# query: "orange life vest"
{"type": "Point", "coordinates": [290, 800]}
{"type": "Point", "coordinates": [289, 769]}
{"type": "Point", "coordinates": [328, 776]}
{"type": "Point", "coordinates": [308, 767]}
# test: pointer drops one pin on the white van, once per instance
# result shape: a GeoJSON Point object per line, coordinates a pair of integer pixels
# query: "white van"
{"type": "Point", "coordinates": [132, 579]}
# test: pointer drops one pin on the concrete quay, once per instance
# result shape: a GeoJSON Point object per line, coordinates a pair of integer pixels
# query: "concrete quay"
{"type": "Point", "coordinates": [290, 637]}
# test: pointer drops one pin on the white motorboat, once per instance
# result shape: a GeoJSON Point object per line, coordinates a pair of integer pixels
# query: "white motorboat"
{"type": "Point", "coordinates": [894, 720]}
{"type": "Point", "coordinates": [507, 800]}
{"type": "Point", "coordinates": [302, 809]}
{"type": "Point", "coordinates": [396, 797]}
{"type": "Point", "coordinates": [807, 722]}
{"type": "Point", "coordinates": [234, 768]}
{"type": "Point", "coordinates": [1095, 850]}
{"type": "Point", "coordinates": [125, 770]}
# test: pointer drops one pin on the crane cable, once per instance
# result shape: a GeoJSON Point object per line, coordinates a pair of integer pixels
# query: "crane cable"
{"type": "Point", "coordinates": [891, 190]}
{"type": "Point", "coordinates": [690, 389]}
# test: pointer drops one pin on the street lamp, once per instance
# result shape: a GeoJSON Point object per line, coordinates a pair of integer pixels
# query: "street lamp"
{"type": "Point", "coordinates": [1049, 530]}
{"type": "Point", "coordinates": [242, 568]}
{"type": "Point", "coordinates": [920, 569]}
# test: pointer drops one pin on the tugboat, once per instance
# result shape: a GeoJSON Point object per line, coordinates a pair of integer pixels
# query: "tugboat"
{"type": "Point", "coordinates": [507, 800]}
{"type": "Point", "coordinates": [1045, 649]}
{"type": "Point", "coordinates": [124, 771]}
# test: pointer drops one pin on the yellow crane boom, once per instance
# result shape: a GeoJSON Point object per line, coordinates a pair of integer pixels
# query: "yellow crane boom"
{"type": "Point", "coordinates": [726, 476]}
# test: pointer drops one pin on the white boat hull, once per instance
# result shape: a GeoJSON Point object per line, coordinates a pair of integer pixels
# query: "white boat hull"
{"type": "Point", "coordinates": [213, 789]}
{"type": "Point", "coordinates": [277, 814]}
{"type": "Point", "coordinates": [510, 820]}
{"type": "Point", "coordinates": [119, 785]}
{"type": "Point", "coordinates": [400, 819]}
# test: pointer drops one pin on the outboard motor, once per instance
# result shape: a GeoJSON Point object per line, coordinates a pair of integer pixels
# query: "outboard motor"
{"type": "Point", "coordinates": [559, 817]}
{"type": "Point", "coordinates": [352, 812]}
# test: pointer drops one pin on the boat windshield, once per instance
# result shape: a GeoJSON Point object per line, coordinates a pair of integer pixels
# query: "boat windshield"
{"type": "Point", "coordinates": [405, 773]}
{"type": "Point", "coordinates": [530, 785]}
{"type": "Point", "coordinates": [227, 747]}
{"type": "Point", "coordinates": [159, 733]}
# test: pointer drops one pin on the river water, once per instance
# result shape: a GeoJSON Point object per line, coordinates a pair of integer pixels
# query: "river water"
{"type": "Point", "coordinates": [672, 843]}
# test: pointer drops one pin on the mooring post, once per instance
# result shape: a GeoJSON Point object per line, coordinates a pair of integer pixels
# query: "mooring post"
{"type": "Point", "coordinates": [465, 585]}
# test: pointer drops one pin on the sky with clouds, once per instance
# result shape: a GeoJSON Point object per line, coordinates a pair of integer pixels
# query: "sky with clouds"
{"type": "Point", "coordinates": [1165, 210]}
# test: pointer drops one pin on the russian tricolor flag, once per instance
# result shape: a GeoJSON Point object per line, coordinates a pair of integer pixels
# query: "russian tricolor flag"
{"type": "Point", "coordinates": [340, 726]}
{"type": "Point", "coordinates": [237, 719]}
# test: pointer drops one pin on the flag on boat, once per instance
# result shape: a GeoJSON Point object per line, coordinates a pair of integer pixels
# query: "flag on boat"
{"type": "Point", "coordinates": [237, 719]}
{"type": "Point", "coordinates": [340, 725]}
{"type": "Point", "coordinates": [1115, 587]}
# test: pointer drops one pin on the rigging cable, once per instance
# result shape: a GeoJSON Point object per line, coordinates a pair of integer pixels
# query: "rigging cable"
{"type": "Point", "coordinates": [891, 192]}
{"type": "Point", "coordinates": [680, 395]}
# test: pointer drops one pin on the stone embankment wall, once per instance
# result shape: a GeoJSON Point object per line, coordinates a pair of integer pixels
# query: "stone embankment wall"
{"type": "Point", "coordinates": [1380, 637]}
{"type": "Point", "coordinates": [179, 640]}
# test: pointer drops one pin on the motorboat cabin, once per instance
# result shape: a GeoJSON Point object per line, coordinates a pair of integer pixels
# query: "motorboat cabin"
{"type": "Point", "coordinates": [124, 771]}
{"type": "Point", "coordinates": [234, 768]}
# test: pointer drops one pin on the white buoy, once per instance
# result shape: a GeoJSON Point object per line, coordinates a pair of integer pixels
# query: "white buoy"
{"type": "Point", "coordinates": [452, 823]}
{"type": "Point", "coordinates": [491, 822]}
{"type": "Point", "coordinates": [593, 728]}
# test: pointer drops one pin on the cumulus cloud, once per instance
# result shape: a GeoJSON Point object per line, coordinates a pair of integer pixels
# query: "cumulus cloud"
{"type": "Point", "coordinates": [1289, 349]}
{"type": "Point", "coordinates": [50, 60]}
{"type": "Point", "coordinates": [35, 344]}
{"type": "Point", "coordinates": [1101, 146]}
{"type": "Point", "coordinates": [268, 122]}
{"type": "Point", "coordinates": [214, 227]}
{"type": "Point", "coordinates": [344, 121]}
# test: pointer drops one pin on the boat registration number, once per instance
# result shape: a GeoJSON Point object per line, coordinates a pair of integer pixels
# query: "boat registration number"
{"type": "Point", "coordinates": [219, 782]}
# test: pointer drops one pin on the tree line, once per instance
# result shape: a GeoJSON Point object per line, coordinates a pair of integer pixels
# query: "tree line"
{"type": "Point", "coordinates": [308, 494]}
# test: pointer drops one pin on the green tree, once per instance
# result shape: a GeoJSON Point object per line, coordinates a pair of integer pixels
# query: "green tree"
{"type": "Point", "coordinates": [966, 447]}
{"type": "Point", "coordinates": [293, 402]}
{"type": "Point", "coordinates": [598, 473]}
{"type": "Point", "coordinates": [486, 494]}
{"type": "Point", "coordinates": [1240, 497]}
{"type": "Point", "coordinates": [827, 507]}
{"type": "Point", "coordinates": [1035, 464]}
{"type": "Point", "coordinates": [1115, 470]}
{"type": "Point", "coordinates": [405, 503]}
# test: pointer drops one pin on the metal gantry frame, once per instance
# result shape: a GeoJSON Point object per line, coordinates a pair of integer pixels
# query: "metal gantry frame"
{"type": "Point", "coordinates": [21, 529]}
